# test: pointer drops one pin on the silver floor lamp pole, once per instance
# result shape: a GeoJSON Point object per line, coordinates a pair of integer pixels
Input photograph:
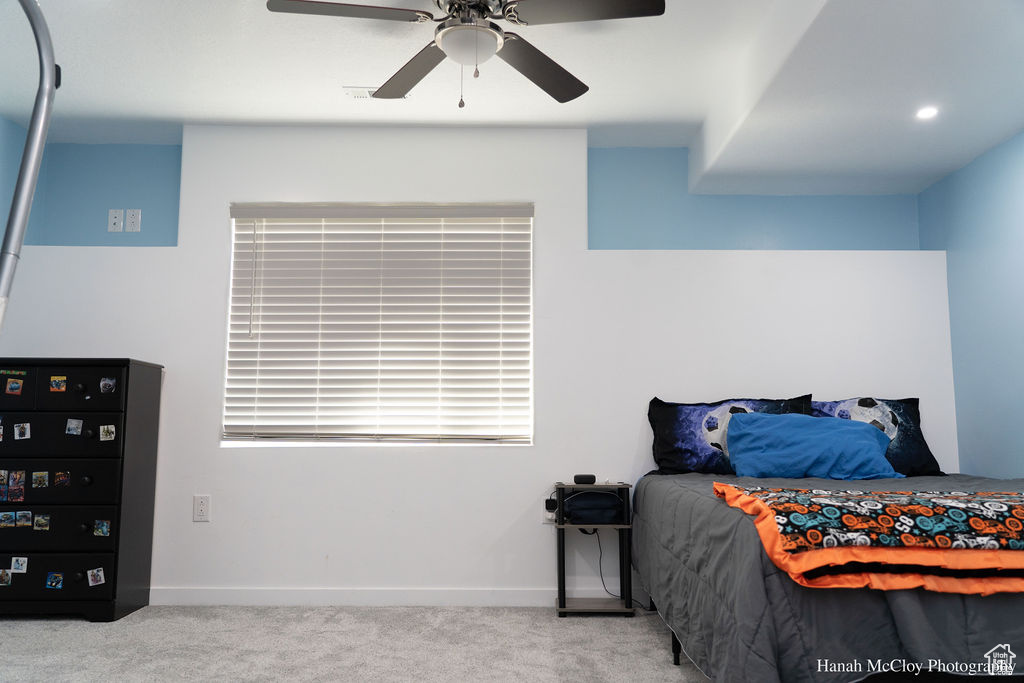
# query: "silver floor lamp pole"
{"type": "Point", "coordinates": [21, 205]}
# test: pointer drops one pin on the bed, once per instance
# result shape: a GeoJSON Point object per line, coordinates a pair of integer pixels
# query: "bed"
{"type": "Point", "coordinates": [740, 618]}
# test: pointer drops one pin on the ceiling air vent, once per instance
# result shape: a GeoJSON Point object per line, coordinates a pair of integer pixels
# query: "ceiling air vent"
{"type": "Point", "coordinates": [360, 92]}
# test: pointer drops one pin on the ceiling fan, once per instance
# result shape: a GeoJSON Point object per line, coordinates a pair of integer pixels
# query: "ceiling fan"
{"type": "Point", "coordinates": [466, 34]}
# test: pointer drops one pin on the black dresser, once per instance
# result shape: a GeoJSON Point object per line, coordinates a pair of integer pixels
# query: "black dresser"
{"type": "Point", "coordinates": [78, 467]}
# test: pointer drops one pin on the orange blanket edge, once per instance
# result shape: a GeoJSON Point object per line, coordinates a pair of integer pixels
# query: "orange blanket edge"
{"type": "Point", "coordinates": [795, 564]}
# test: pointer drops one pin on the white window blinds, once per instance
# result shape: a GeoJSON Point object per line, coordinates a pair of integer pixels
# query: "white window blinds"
{"type": "Point", "coordinates": [369, 322]}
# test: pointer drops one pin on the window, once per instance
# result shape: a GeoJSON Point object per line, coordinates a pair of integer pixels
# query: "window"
{"type": "Point", "coordinates": [379, 323]}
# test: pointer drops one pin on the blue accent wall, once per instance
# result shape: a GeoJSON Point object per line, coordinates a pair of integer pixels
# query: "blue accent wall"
{"type": "Point", "coordinates": [638, 199]}
{"type": "Point", "coordinates": [977, 215]}
{"type": "Point", "coordinates": [79, 184]}
{"type": "Point", "coordinates": [12, 141]}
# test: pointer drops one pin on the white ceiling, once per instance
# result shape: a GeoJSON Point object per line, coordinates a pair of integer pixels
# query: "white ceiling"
{"type": "Point", "coordinates": [774, 96]}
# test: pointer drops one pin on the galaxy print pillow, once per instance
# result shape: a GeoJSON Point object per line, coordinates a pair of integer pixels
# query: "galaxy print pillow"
{"type": "Point", "coordinates": [693, 437]}
{"type": "Point", "coordinates": [900, 419]}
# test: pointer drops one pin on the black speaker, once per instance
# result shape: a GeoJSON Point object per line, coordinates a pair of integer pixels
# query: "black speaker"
{"type": "Point", "coordinates": [584, 478]}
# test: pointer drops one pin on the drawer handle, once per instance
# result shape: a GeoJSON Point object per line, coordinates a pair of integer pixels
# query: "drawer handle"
{"type": "Point", "coordinates": [79, 577]}
{"type": "Point", "coordinates": [79, 387]}
{"type": "Point", "coordinates": [87, 433]}
{"type": "Point", "coordinates": [86, 480]}
{"type": "Point", "coordinates": [84, 526]}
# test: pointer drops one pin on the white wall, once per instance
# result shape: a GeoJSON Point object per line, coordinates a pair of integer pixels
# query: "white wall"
{"type": "Point", "coordinates": [461, 525]}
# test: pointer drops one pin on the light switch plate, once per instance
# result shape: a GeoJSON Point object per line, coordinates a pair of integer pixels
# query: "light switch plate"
{"type": "Point", "coordinates": [115, 220]}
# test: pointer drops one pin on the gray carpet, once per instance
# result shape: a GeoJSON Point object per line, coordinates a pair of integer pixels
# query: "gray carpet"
{"type": "Point", "coordinates": [341, 644]}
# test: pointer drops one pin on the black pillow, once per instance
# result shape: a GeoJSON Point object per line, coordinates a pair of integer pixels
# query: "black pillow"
{"type": "Point", "coordinates": [900, 419]}
{"type": "Point", "coordinates": [693, 437]}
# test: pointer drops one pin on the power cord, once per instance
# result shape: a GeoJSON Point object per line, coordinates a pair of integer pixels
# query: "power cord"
{"type": "Point", "coordinates": [600, 565]}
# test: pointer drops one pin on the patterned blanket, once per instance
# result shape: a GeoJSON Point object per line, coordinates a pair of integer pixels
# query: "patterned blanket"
{"type": "Point", "coordinates": [947, 541]}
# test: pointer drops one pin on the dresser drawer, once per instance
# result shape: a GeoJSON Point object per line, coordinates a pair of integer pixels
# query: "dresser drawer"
{"type": "Point", "coordinates": [68, 527]}
{"type": "Point", "coordinates": [74, 480]}
{"type": "Point", "coordinates": [54, 434]}
{"type": "Point", "coordinates": [79, 388]}
{"type": "Point", "coordinates": [73, 571]}
{"type": "Point", "coordinates": [17, 387]}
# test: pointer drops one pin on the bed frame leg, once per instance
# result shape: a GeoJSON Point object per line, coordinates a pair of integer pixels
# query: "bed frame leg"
{"type": "Point", "coordinates": [677, 648]}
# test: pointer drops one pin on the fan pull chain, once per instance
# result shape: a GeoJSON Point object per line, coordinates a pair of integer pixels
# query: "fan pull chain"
{"type": "Point", "coordinates": [462, 79]}
{"type": "Point", "coordinates": [476, 55]}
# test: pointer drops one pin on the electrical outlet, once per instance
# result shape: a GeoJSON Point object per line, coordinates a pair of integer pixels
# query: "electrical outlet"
{"type": "Point", "coordinates": [133, 220]}
{"type": "Point", "coordinates": [200, 508]}
{"type": "Point", "coordinates": [115, 220]}
{"type": "Point", "coordinates": [549, 511]}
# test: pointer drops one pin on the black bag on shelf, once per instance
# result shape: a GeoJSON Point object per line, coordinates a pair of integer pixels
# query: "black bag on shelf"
{"type": "Point", "coordinates": [593, 507]}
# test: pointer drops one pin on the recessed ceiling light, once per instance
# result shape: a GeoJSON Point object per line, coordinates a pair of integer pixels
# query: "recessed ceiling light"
{"type": "Point", "coordinates": [926, 113]}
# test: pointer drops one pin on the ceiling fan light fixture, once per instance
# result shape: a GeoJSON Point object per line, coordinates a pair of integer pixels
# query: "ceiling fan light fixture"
{"type": "Point", "coordinates": [469, 41]}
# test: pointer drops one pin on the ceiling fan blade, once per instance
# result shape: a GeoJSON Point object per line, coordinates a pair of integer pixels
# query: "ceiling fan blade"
{"type": "Point", "coordinates": [541, 69]}
{"type": "Point", "coordinates": [530, 12]}
{"type": "Point", "coordinates": [413, 72]}
{"type": "Point", "coordinates": [339, 9]}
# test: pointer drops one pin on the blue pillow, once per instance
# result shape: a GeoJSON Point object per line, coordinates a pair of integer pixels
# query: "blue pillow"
{"type": "Point", "coordinates": [900, 419]}
{"type": "Point", "coordinates": [797, 446]}
{"type": "Point", "coordinates": [692, 437]}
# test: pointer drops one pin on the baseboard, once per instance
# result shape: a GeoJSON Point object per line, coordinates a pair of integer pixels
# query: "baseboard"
{"type": "Point", "coordinates": [358, 597]}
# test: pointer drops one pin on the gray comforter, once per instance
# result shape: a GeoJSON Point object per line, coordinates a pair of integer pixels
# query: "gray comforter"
{"type": "Point", "coordinates": [740, 618]}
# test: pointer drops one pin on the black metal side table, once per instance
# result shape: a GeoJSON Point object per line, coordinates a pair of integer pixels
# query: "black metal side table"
{"type": "Point", "coordinates": [620, 606]}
